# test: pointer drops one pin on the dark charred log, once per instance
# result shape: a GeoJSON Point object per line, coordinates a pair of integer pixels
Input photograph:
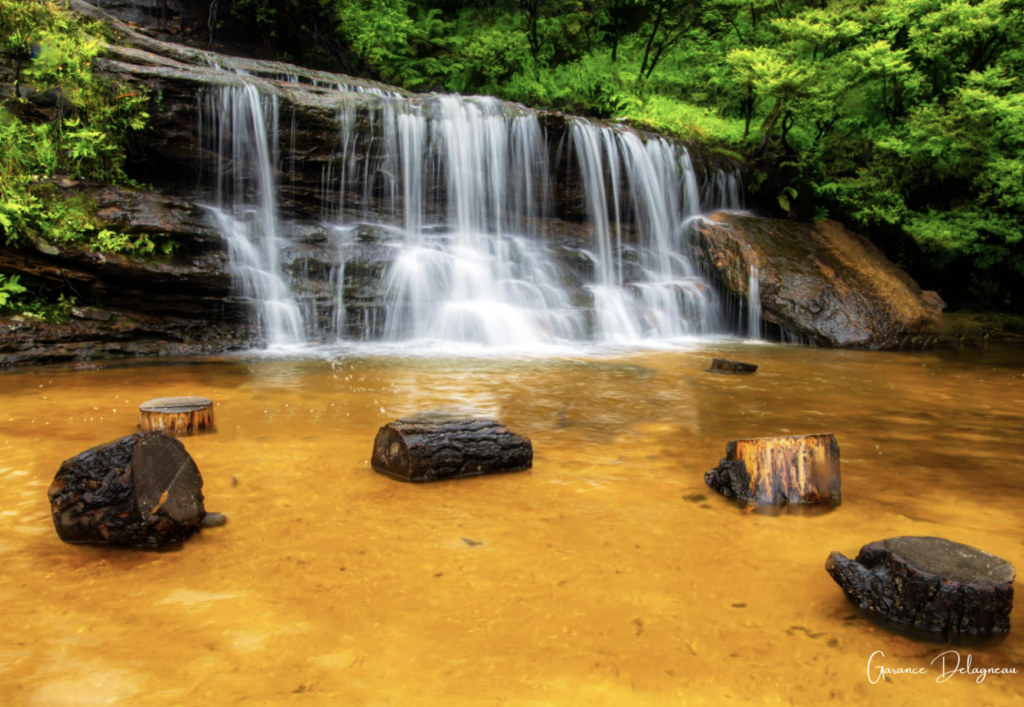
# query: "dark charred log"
{"type": "Point", "coordinates": [780, 470]}
{"type": "Point", "coordinates": [427, 449]}
{"type": "Point", "coordinates": [139, 491]}
{"type": "Point", "coordinates": [722, 365]}
{"type": "Point", "coordinates": [931, 584]}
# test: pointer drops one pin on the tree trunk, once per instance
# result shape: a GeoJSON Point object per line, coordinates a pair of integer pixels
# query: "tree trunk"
{"type": "Point", "coordinates": [176, 415]}
{"type": "Point", "coordinates": [780, 470]}
{"type": "Point", "coordinates": [140, 491]}
{"type": "Point", "coordinates": [929, 583]}
{"type": "Point", "coordinates": [429, 449]}
{"type": "Point", "coordinates": [650, 40]}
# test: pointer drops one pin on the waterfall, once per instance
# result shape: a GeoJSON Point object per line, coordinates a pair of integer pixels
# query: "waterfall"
{"type": "Point", "coordinates": [754, 304]}
{"type": "Point", "coordinates": [664, 296]}
{"type": "Point", "coordinates": [452, 219]}
{"type": "Point", "coordinates": [241, 127]}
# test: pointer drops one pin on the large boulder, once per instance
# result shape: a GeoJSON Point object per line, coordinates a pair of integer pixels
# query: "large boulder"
{"type": "Point", "coordinates": [818, 281]}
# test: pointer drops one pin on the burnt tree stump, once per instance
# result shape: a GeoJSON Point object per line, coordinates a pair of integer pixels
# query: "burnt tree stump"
{"type": "Point", "coordinates": [430, 449]}
{"type": "Point", "coordinates": [176, 415]}
{"type": "Point", "coordinates": [780, 470]}
{"type": "Point", "coordinates": [929, 583]}
{"type": "Point", "coordinates": [722, 365]}
{"type": "Point", "coordinates": [140, 491]}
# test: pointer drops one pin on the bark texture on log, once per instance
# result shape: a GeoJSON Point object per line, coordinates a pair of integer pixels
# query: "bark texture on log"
{"type": "Point", "coordinates": [929, 583]}
{"type": "Point", "coordinates": [140, 491]}
{"type": "Point", "coordinates": [722, 365]}
{"type": "Point", "coordinates": [425, 449]}
{"type": "Point", "coordinates": [780, 470]}
{"type": "Point", "coordinates": [177, 415]}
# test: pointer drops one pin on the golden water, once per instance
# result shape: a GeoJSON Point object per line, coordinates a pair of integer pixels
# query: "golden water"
{"type": "Point", "coordinates": [601, 577]}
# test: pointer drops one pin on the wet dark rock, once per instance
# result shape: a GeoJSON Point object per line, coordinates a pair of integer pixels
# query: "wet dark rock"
{"type": "Point", "coordinates": [139, 491]}
{"type": "Point", "coordinates": [819, 281]}
{"type": "Point", "coordinates": [26, 341]}
{"type": "Point", "coordinates": [100, 315]}
{"type": "Point", "coordinates": [431, 448]}
{"type": "Point", "coordinates": [730, 478]}
{"type": "Point", "coordinates": [721, 365]}
{"type": "Point", "coordinates": [930, 584]}
{"type": "Point", "coordinates": [780, 470]}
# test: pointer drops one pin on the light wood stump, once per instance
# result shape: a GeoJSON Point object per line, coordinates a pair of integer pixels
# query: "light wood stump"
{"type": "Point", "coordinates": [780, 470]}
{"type": "Point", "coordinates": [176, 415]}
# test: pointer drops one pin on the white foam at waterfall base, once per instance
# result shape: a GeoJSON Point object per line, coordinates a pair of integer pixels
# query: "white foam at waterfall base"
{"type": "Point", "coordinates": [460, 190]}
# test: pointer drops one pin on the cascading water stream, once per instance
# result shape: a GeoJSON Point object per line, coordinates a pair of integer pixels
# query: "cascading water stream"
{"type": "Point", "coordinates": [454, 195]}
{"type": "Point", "coordinates": [754, 304]}
{"type": "Point", "coordinates": [664, 296]}
{"type": "Point", "coordinates": [242, 128]}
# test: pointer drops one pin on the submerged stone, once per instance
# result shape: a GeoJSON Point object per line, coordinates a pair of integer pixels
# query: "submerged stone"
{"type": "Point", "coordinates": [780, 470]}
{"type": "Point", "coordinates": [929, 583]}
{"type": "Point", "coordinates": [722, 365]}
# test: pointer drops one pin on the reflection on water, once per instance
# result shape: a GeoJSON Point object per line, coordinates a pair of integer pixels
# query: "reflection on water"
{"type": "Point", "coordinates": [607, 575]}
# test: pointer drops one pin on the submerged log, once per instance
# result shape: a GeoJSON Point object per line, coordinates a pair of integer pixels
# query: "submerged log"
{"type": "Point", "coordinates": [722, 365]}
{"type": "Point", "coordinates": [429, 449]}
{"type": "Point", "coordinates": [780, 470]}
{"type": "Point", "coordinates": [176, 415]}
{"type": "Point", "coordinates": [929, 583]}
{"type": "Point", "coordinates": [140, 491]}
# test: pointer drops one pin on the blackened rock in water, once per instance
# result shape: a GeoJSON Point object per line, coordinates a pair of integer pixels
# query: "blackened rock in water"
{"type": "Point", "coordinates": [730, 478]}
{"type": "Point", "coordinates": [139, 491]}
{"type": "Point", "coordinates": [929, 583]}
{"type": "Point", "coordinates": [429, 449]}
{"type": "Point", "coordinates": [722, 365]}
{"type": "Point", "coordinates": [780, 470]}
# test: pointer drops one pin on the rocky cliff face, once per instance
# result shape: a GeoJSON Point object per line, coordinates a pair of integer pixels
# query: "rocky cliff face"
{"type": "Point", "coordinates": [188, 303]}
{"type": "Point", "coordinates": [128, 306]}
{"type": "Point", "coordinates": [820, 282]}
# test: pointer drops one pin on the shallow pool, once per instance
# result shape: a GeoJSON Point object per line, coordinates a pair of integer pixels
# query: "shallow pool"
{"type": "Point", "coordinates": [607, 575]}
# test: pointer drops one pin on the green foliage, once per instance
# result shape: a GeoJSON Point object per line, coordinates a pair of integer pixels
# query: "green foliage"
{"type": "Point", "coordinates": [64, 121]}
{"type": "Point", "coordinates": [17, 299]}
{"type": "Point", "coordinates": [9, 290]}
